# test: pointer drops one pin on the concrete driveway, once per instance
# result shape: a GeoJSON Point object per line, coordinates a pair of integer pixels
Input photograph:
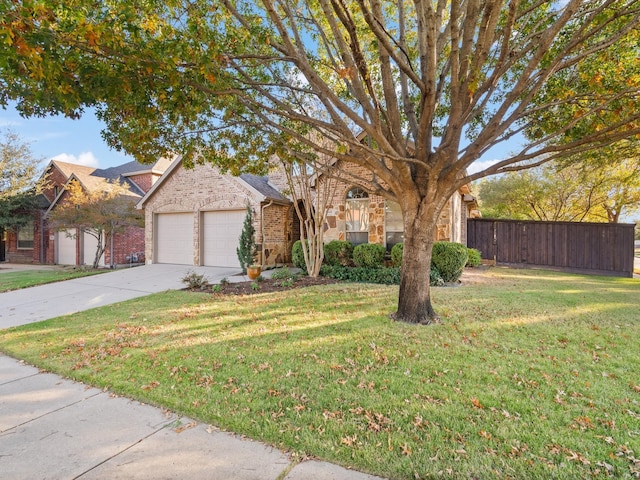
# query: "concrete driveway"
{"type": "Point", "coordinates": [52, 300]}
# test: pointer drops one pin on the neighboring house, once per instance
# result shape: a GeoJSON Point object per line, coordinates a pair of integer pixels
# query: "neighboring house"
{"type": "Point", "coordinates": [194, 217]}
{"type": "Point", "coordinates": [36, 242]}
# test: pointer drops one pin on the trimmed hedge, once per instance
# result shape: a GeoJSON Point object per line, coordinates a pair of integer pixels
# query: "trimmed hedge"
{"type": "Point", "coordinates": [338, 252]}
{"type": "Point", "coordinates": [369, 255]}
{"type": "Point", "coordinates": [396, 254]}
{"type": "Point", "coordinates": [449, 258]}
{"type": "Point", "coordinates": [475, 258]}
{"type": "Point", "coordinates": [382, 275]}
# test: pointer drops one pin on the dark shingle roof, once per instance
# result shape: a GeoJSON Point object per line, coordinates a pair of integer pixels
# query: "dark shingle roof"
{"type": "Point", "coordinates": [261, 184]}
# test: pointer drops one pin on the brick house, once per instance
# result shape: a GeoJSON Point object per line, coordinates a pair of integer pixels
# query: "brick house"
{"type": "Point", "coordinates": [194, 217]}
{"type": "Point", "coordinates": [36, 242]}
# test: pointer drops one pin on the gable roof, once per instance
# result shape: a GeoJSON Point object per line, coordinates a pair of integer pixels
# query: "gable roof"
{"type": "Point", "coordinates": [93, 179]}
{"type": "Point", "coordinates": [258, 185]}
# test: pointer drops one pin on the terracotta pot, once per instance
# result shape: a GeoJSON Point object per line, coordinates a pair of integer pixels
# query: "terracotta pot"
{"type": "Point", "coordinates": [253, 272]}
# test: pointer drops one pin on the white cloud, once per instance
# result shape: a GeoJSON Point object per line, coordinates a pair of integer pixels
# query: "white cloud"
{"type": "Point", "coordinates": [85, 158]}
{"type": "Point", "coordinates": [8, 123]}
{"type": "Point", "coordinates": [479, 165]}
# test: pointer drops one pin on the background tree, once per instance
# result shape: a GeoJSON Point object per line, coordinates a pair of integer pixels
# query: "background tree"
{"type": "Point", "coordinates": [617, 183]}
{"type": "Point", "coordinates": [413, 92]}
{"type": "Point", "coordinates": [584, 192]}
{"type": "Point", "coordinates": [20, 182]}
{"type": "Point", "coordinates": [101, 213]}
{"type": "Point", "coordinates": [312, 186]}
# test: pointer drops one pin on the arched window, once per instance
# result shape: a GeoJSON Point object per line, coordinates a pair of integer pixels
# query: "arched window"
{"type": "Point", "coordinates": [357, 216]}
{"type": "Point", "coordinates": [393, 224]}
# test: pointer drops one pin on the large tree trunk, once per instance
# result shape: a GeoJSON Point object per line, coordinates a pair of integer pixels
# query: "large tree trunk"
{"type": "Point", "coordinates": [414, 302]}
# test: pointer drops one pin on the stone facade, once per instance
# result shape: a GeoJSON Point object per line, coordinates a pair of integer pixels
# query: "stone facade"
{"type": "Point", "coordinates": [335, 226]}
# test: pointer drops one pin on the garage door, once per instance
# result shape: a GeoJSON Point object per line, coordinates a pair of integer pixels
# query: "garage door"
{"type": "Point", "coordinates": [221, 233]}
{"type": "Point", "coordinates": [174, 238]}
{"type": "Point", "coordinates": [90, 245]}
{"type": "Point", "coordinates": [66, 248]}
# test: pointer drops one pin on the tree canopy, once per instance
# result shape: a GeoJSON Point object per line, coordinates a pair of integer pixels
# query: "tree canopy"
{"type": "Point", "coordinates": [414, 92]}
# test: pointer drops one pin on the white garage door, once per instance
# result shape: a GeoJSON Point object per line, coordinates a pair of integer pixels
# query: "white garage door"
{"type": "Point", "coordinates": [174, 238]}
{"type": "Point", "coordinates": [66, 248]}
{"type": "Point", "coordinates": [220, 237]}
{"type": "Point", "coordinates": [90, 245]}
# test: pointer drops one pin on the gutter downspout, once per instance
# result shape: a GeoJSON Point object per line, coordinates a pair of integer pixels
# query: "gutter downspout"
{"type": "Point", "coordinates": [262, 228]}
{"type": "Point", "coordinates": [111, 265]}
{"type": "Point", "coordinates": [42, 256]}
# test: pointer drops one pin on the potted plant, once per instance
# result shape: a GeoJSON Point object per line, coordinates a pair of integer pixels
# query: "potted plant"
{"type": "Point", "coordinates": [253, 271]}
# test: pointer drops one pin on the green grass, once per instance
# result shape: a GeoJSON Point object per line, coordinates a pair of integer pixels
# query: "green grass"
{"type": "Point", "coordinates": [535, 375]}
{"type": "Point", "coordinates": [30, 278]}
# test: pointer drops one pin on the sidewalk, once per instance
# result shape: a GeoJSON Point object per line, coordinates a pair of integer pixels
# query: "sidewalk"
{"type": "Point", "coordinates": [52, 428]}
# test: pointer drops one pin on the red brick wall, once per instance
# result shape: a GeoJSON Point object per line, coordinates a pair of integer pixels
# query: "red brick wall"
{"type": "Point", "coordinates": [129, 242]}
{"type": "Point", "coordinates": [28, 255]}
{"type": "Point", "coordinates": [55, 178]}
{"type": "Point", "coordinates": [144, 181]}
{"type": "Point", "coordinates": [41, 243]}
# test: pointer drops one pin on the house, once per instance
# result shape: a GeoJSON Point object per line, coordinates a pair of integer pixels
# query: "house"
{"type": "Point", "coordinates": [194, 217]}
{"type": "Point", "coordinates": [36, 242]}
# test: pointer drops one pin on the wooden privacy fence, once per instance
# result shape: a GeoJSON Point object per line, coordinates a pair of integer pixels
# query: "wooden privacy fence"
{"type": "Point", "coordinates": [595, 248]}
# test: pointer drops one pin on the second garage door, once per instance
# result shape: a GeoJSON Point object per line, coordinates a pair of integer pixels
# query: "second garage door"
{"type": "Point", "coordinates": [220, 237]}
{"type": "Point", "coordinates": [90, 246]}
{"type": "Point", "coordinates": [174, 238]}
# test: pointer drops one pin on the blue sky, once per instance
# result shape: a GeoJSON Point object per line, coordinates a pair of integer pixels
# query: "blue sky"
{"type": "Point", "coordinates": [60, 138]}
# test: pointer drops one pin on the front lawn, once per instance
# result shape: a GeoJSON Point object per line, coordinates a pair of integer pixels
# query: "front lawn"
{"type": "Point", "coordinates": [31, 278]}
{"type": "Point", "coordinates": [532, 374]}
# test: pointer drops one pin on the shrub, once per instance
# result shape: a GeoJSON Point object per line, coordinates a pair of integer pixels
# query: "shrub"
{"type": "Point", "coordinates": [449, 258]}
{"type": "Point", "coordinates": [282, 274]}
{"type": "Point", "coordinates": [475, 257]}
{"type": "Point", "coordinates": [247, 250]}
{"type": "Point", "coordinates": [369, 255]}
{"type": "Point", "coordinates": [297, 255]}
{"type": "Point", "coordinates": [435, 280]}
{"type": "Point", "coordinates": [195, 281]}
{"type": "Point", "coordinates": [382, 275]}
{"type": "Point", "coordinates": [396, 254]}
{"type": "Point", "coordinates": [338, 252]}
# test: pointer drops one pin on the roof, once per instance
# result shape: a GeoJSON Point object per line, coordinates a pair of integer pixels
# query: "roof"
{"type": "Point", "coordinates": [94, 179]}
{"type": "Point", "coordinates": [262, 185]}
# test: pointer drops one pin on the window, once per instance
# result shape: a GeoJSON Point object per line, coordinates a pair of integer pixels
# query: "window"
{"type": "Point", "coordinates": [25, 235]}
{"type": "Point", "coordinates": [393, 224]}
{"type": "Point", "coordinates": [357, 216]}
